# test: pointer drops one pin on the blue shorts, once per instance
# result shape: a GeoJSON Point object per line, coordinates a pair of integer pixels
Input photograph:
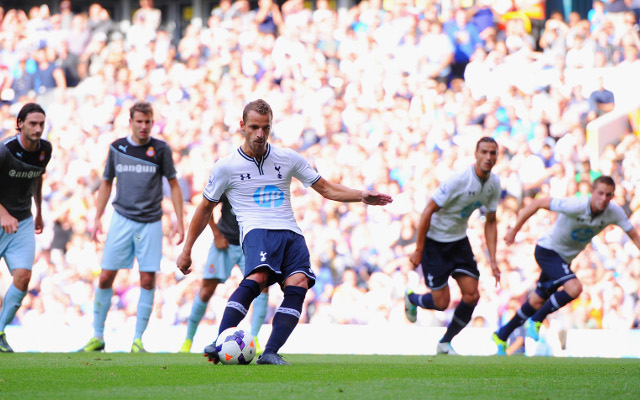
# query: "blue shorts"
{"type": "Point", "coordinates": [220, 262]}
{"type": "Point", "coordinates": [19, 248]}
{"type": "Point", "coordinates": [284, 252]}
{"type": "Point", "coordinates": [555, 272]}
{"type": "Point", "coordinates": [128, 239]}
{"type": "Point", "coordinates": [442, 260]}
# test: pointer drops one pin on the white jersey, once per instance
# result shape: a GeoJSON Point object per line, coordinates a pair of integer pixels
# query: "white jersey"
{"type": "Point", "coordinates": [457, 198]}
{"type": "Point", "coordinates": [576, 225]}
{"type": "Point", "coordinates": [259, 192]}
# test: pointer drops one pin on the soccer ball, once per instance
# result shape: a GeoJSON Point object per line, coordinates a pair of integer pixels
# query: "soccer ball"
{"type": "Point", "coordinates": [235, 346]}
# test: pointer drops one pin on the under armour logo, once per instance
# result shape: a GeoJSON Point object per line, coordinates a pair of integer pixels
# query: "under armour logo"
{"type": "Point", "coordinates": [123, 148]}
{"type": "Point", "coordinates": [471, 193]}
{"type": "Point", "coordinates": [242, 176]}
{"type": "Point", "coordinates": [263, 256]}
{"type": "Point", "coordinates": [18, 154]}
{"type": "Point", "coordinates": [277, 167]}
{"type": "Point", "coordinates": [430, 279]}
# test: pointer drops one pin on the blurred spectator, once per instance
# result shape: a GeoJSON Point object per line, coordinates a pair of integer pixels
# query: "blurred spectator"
{"type": "Point", "coordinates": [601, 101]}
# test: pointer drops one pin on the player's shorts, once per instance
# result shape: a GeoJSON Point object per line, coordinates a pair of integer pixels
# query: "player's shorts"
{"type": "Point", "coordinates": [19, 248]}
{"type": "Point", "coordinates": [128, 239]}
{"type": "Point", "coordinates": [220, 262]}
{"type": "Point", "coordinates": [555, 272]}
{"type": "Point", "coordinates": [283, 252]}
{"type": "Point", "coordinates": [442, 260]}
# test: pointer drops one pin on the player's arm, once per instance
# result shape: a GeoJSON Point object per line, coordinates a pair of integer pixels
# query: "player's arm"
{"type": "Point", "coordinates": [178, 201]}
{"type": "Point", "coordinates": [200, 219]}
{"type": "Point", "coordinates": [9, 222]}
{"type": "Point", "coordinates": [104, 192]}
{"type": "Point", "coordinates": [423, 228]}
{"type": "Point", "coordinates": [526, 213]}
{"type": "Point", "coordinates": [635, 237]}
{"type": "Point", "coordinates": [491, 238]}
{"type": "Point", "coordinates": [338, 192]}
{"type": "Point", "coordinates": [37, 199]}
{"type": "Point", "coordinates": [219, 240]}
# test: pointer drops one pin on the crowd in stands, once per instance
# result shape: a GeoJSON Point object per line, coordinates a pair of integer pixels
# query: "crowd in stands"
{"type": "Point", "coordinates": [386, 95]}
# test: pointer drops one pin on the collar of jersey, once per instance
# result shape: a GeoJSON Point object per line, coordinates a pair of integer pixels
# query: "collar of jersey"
{"type": "Point", "coordinates": [258, 164]}
{"type": "Point", "coordinates": [134, 144]}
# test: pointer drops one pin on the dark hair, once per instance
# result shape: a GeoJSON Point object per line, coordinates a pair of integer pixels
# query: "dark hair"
{"type": "Point", "coordinates": [26, 110]}
{"type": "Point", "coordinates": [607, 180]}
{"type": "Point", "coordinates": [260, 106]}
{"type": "Point", "coordinates": [143, 107]}
{"type": "Point", "coordinates": [485, 139]}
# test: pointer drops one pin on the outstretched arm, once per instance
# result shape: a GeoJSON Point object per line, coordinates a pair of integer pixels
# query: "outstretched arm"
{"type": "Point", "coordinates": [635, 237]}
{"type": "Point", "coordinates": [200, 219]}
{"type": "Point", "coordinates": [423, 228]}
{"type": "Point", "coordinates": [491, 237]}
{"type": "Point", "coordinates": [338, 192]}
{"type": "Point", "coordinates": [526, 213]}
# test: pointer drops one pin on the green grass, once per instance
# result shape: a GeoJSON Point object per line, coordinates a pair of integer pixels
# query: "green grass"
{"type": "Point", "coordinates": [189, 376]}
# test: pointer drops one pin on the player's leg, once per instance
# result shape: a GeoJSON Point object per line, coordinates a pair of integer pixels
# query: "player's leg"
{"type": "Point", "coordinates": [101, 305]}
{"type": "Point", "coordinates": [259, 313]}
{"type": "Point", "coordinates": [572, 289]}
{"type": "Point", "coordinates": [534, 302]}
{"type": "Point", "coordinates": [18, 250]}
{"type": "Point", "coordinates": [199, 307]}
{"type": "Point", "coordinates": [463, 312]}
{"type": "Point", "coordinates": [145, 306]}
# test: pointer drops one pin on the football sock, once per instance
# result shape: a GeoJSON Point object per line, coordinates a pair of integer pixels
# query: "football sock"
{"type": "Point", "coordinates": [521, 316]}
{"type": "Point", "coordinates": [101, 305]}
{"type": "Point", "coordinates": [10, 305]}
{"type": "Point", "coordinates": [197, 312]}
{"type": "Point", "coordinates": [286, 317]}
{"type": "Point", "coordinates": [555, 302]}
{"type": "Point", "coordinates": [461, 317]}
{"type": "Point", "coordinates": [145, 305]}
{"type": "Point", "coordinates": [424, 300]}
{"type": "Point", "coordinates": [259, 312]}
{"type": "Point", "coordinates": [239, 303]}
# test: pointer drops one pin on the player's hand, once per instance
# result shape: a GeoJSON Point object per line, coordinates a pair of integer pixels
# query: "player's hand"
{"type": "Point", "coordinates": [221, 242]}
{"type": "Point", "coordinates": [416, 258]}
{"type": "Point", "coordinates": [510, 237]}
{"type": "Point", "coordinates": [97, 228]}
{"type": "Point", "coordinates": [39, 224]}
{"type": "Point", "coordinates": [9, 223]}
{"type": "Point", "coordinates": [184, 263]}
{"type": "Point", "coordinates": [178, 230]}
{"type": "Point", "coordinates": [496, 271]}
{"type": "Point", "coordinates": [373, 198]}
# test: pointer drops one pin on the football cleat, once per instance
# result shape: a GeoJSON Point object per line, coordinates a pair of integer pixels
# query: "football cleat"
{"type": "Point", "coordinates": [271, 359]}
{"type": "Point", "coordinates": [532, 329]}
{"type": "Point", "coordinates": [501, 344]}
{"type": "Point", "coordinates": [258, 348]}
{"type": "Point", "coordinates": [445, 348]}
{"type": "Point", "coordinates": [94, 344]}
{"type": "Point", "coordinates": [410, 309]}
{"type": "Point", "coordinates": [186, 346]}
{"type": "Point", "coordinates": [211, 352]}
{"type": "Point", "coordinates": [4, 346]}
{"type": "Point", "coordinates": [137, 347]}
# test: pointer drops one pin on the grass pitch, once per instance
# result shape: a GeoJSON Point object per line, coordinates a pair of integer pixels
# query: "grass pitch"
{"type": "Point", "coordinates": [189, 376]}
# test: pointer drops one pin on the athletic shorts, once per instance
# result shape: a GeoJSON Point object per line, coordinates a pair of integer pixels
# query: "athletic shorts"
{"type": "Point", "coordinates": [284, 252]}
{"type": "Point", "coordinates": [128, 239]}
{"type": "Point", "coordinates": [220, 262]}
{"type": "Point", "coordinates": [19, 248]}
{"type": "Point", "coordinates": [555, 272]}
{"type": "Point", "coordinates": [442, 260]}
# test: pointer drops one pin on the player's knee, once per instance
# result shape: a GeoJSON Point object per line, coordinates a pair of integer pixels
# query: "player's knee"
{"type": "Point", "coordinates": [441, 304]}
{"type": "Point", "coordinates": [471, 298]}
{"type": "Point", "coordinates": [573, 288]}
{"type": "Point", "coordinates": [21, 281]}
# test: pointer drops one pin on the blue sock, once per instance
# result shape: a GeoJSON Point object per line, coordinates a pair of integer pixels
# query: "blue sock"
{"type": "Point", "coordinates": [12, 301]}
{"type": "Point", "coordinates": [424, 300]}
{"type": "Point", "coordinates": [239, 303]}
{"type": "Point", "coordinates": [286, 318]}
{"type": "Point", "coordinates": [197, 312]}
{"type": "Point", "coordinates": [101, 305]}
{"type": "Point", "coordinates": [461, 317]}
{"type": "Point", "coordinates": [521, 315]}
{"type": "Point", "coordinates": [145, 305]}
{"type": "Point", "coordinates": [555, 302]}
{"type": "Point", "coordinates": [259, 312]}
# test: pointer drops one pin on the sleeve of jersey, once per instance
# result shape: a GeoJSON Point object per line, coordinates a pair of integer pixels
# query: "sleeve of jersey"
{"type": "Point", "coordinates": [621, 218]}
{"type": "Point", "coordinates": [492, 205]}
{"type": "Point", "coordinates": [216, 185]}
{"type": "Point", "coordinates": [302, 170]}
{"type": "Point", "coordinates": [168, 168]}
{"type": "Point", "coordinates": [444, 193]}
{"type": "Point", "coordinates": [568, 205]}
{"type": "Point", "coordinates": [109, 168]}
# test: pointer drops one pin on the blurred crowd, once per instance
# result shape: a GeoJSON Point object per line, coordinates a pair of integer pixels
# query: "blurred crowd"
{"type": "Point", "coordinates": [388, 95]}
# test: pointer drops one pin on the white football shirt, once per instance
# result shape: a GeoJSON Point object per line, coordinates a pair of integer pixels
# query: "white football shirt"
{"type": "Point", "coordinates": [576, 226]}
{"type": "Point", "coordinates": [260, 192]}
{"type": "Point", "coordinates": [457, 198]}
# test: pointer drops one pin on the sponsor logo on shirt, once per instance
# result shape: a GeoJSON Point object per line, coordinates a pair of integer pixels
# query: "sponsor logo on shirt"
{"type": "Point", "coordinates": [138, 168]}
{"type": "Point", "coordinates": [269, 196]}
{"type": "Point", "coordinates": [24, 174]}
{"type": "Point", "coordinates": [468, 210]}
{"type": "Point", "coordinates": [582, 235]}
